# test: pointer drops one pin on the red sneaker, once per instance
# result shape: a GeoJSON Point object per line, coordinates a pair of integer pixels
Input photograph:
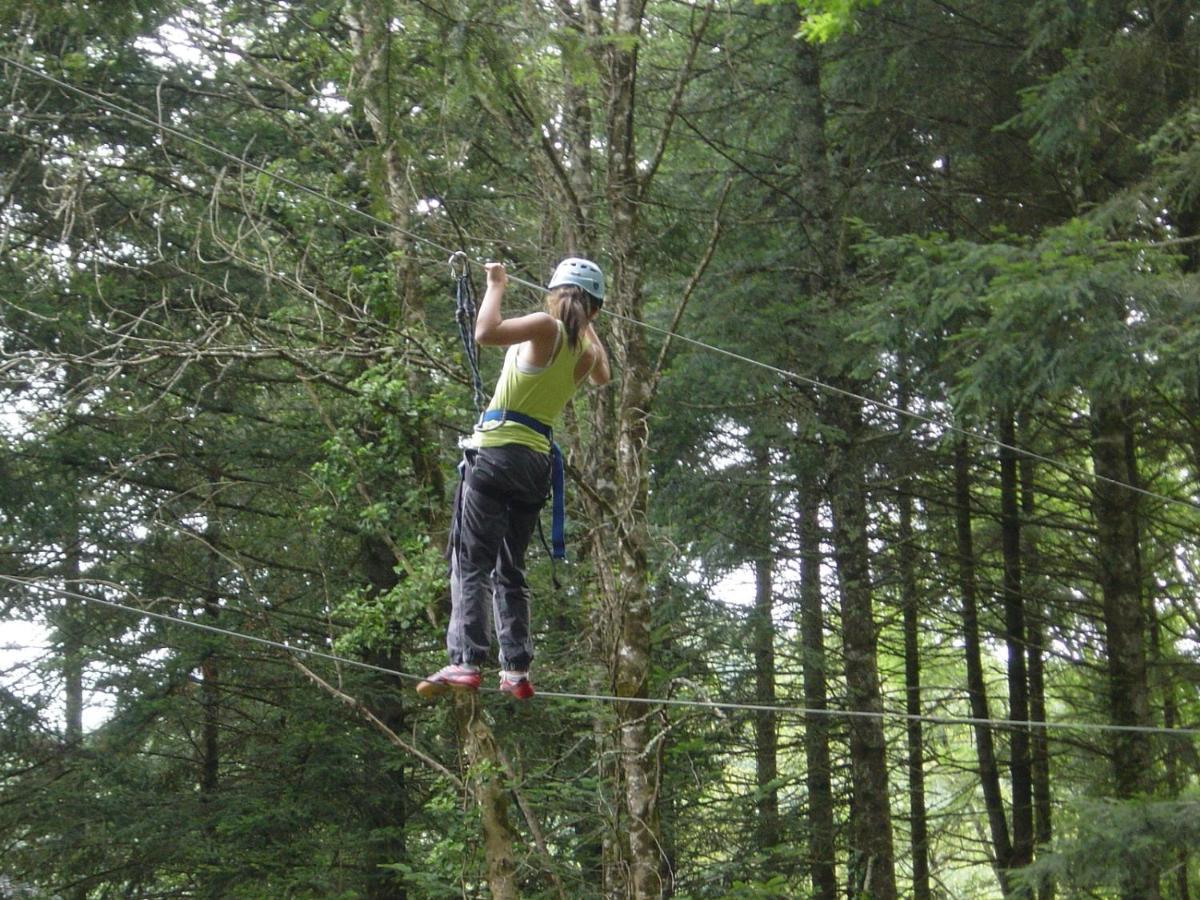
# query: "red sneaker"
{"type": "Point", "coordinates": [452, 677]}
{"type": "Point", "coordinates": [517, 684]}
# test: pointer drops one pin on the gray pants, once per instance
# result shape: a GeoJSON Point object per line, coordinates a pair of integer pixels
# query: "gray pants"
{"type": "Point", "coordinates": [503, 491]}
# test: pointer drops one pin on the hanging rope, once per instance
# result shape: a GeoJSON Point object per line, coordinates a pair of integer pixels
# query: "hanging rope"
{"type": "Point", "coordinates": [464, 314]}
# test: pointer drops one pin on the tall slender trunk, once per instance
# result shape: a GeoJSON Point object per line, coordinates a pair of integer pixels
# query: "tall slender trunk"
{"type": "Point", "coordinates": [1020, 768]}
{"type": "Point", "coordinates": [70, 624]}
{"type": "Point", "coordinates": [989, 769]}
{"type": "Point", "coordinates": [600, 856]}
{"type": "Point", "coordinates": [766, 826]}
{"type": "Point", "coordinates": [209, 763]}
{"type": "Point", "coordinates": [1118, 555]}
{"type": "Point", "coordinates": [1035, 642]}
{"type": "Point", "coordinates": [907, 552]}
{"type": "Point", "coordinates": [70, 634]}
{"type": "Point", "coordinates": [1175, 757]}
{"type": "Point", "coordinates": [872, 863]}
{"type": "Point", "coordinates": [70, 631]}
{"type": "Point", "coordinates": [388, 814]}
{"type": "Point", "coordinates": [819, 776]}
{"type": "Point", "coordinates": [629, 598]}
{"type": "Point", "coordinates": [210, 666]}
{"type": "Point", "coordinates": [69, 628]}
{"type": "Point", "coordinates": [1125, 632]}
{"type": "Point", "coordinates": [375, 70]}
{"type": "Point", "coordinates": [631, 658]}
{"type": "Point", "coordinates": [210, 670]}
{"type": "Point", "coordinates": [1180, 59]}
{"type": "Point", "coordinates": [871, 869]}
{"type": "Point", "coordinates": [1191, 407]}
{"type": "Point", "coordinates": [491, 796]}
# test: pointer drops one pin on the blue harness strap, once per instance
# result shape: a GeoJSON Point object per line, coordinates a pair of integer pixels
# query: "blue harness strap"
{"type": "Point", "coordinates": [558, 486]}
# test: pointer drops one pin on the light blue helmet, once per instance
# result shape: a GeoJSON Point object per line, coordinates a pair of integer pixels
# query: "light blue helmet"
{"type": "Point", "coordinates": [581, 272]}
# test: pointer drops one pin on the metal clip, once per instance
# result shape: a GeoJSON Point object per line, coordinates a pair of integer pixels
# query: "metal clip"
{"type": "Point", "coordinates": [459, 258]}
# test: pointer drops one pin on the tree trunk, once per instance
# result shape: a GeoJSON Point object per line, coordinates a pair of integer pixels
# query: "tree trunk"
{"type": "Point", "coordinates": [491, 796]}
{"type": "Point", "coordinates": [1119, 574]}
{"type": "Point", "coordinates": [388, 815]}
{"type": "Point", "coordinates": [374, 69]}
{"type": "Point", "coordinates": [766, 826]}
{"type": "Point", "coordinates": [819, 778]}
{"type": "Point", "coordinates": [631, 659]}
{"type": "Point", "coordinates": [912, 691]}
{"type": "Point", "coordinates": [989, 769]}
{"type": "Point", "coordinates": [1020, 769]}
{"type": "Point", "coordinates": [70, 635]}
{"type": "Point", "coordinates": [871, 869]}
{"type": "Point", "coordinates": [210, 672]}
{"type": "Point", "coordinates": [1035, 641]}
{"type": "Point", "coordinates": [1175, 756]}
{"type": "Point", "coordinates": [1179, 57]}
{"type": "Point", "coordinates": [68, 622]}
{"type": "Point", "coordinates": [629, 597]}
{"type": "Point", "coordinates": [1179, 62]}
{"type": "Point", "coordinates": [872, 863]}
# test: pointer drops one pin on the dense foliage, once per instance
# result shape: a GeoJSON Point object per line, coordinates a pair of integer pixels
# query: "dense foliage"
{"type": "Point", "coordinates": [932, 491]}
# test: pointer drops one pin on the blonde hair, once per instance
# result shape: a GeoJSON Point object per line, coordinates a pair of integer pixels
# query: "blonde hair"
{"type": "Point", "coordinates": [572, 306]}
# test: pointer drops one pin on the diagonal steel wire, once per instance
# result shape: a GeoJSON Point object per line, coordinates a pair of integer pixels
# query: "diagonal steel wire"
{"type": "Point", "coordinates": [722, 705]}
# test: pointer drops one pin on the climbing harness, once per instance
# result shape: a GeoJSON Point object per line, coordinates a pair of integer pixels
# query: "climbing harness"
{"type": "Point", "coordinates": [558, 511]}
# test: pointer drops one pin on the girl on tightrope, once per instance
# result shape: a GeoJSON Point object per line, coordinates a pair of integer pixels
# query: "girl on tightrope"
{"type": "Point", "coordinates": [507, 470]}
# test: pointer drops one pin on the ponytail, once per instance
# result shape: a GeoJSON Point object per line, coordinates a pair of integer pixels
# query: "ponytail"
{"type": "Point", "coordinates": [572, 306]}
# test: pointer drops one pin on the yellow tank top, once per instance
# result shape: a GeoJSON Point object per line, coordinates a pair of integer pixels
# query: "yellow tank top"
{"type": "Point", "coordinates": [540, 393]}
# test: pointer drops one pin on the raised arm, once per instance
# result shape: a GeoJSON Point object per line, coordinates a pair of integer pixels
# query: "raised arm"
{"type": "Point", "coordinates": [491, 328]}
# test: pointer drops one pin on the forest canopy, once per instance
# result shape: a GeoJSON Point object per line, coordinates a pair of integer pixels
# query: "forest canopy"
{"type": "Point", "coordinates": [883, 538]}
